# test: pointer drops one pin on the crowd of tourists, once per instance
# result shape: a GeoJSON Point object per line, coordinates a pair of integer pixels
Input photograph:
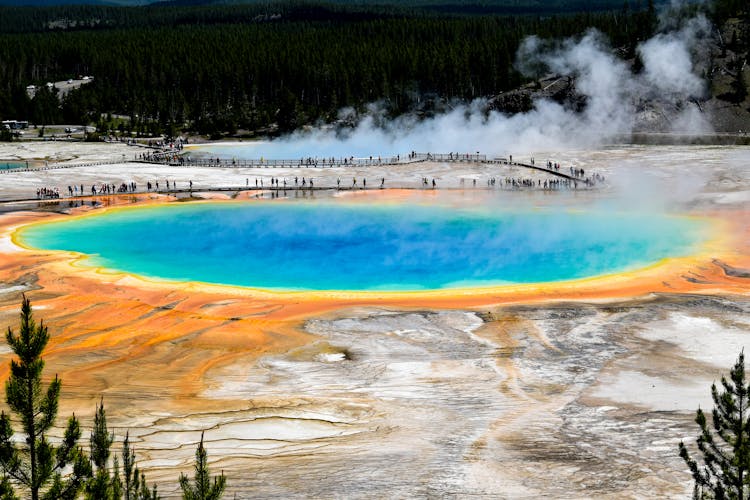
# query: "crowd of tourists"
{"type": "Point", "coordinates": [572, 178]}
{"type": "Point", "coordinates": [299, 182]}
{"type": "Point", "coordinates": [46, 193]}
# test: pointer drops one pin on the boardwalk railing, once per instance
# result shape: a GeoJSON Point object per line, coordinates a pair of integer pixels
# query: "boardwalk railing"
{"type": "Point", "coordinates": [56, 166]}
{"type": "Point", "coordinates": [451, 157]}
{"type": "Point", "coordinates": [202, 161]}
{"type": "Point", "coordinates": [175, 160]}
{"type": "Point", "coordinates": [189, 161]}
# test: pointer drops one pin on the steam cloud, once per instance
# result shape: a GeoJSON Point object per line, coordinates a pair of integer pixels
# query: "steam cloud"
{"type": "Point", "coordinates": [614, 102]}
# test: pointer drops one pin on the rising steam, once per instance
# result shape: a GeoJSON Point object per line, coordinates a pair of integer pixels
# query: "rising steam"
{"type": "Point", "coordinates": [616, 100]}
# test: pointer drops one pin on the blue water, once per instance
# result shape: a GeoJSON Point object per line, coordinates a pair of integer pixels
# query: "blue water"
{"type": "Point", "coordinates": [11, 165]}
{"type": "Point", "coordinates": [329, 245]}
{"type": "Point", "coordinates": [285, 149]}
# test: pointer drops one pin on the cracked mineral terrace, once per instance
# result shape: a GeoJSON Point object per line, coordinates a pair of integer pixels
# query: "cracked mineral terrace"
{"type": "Point", "coordinates": [568, 390]}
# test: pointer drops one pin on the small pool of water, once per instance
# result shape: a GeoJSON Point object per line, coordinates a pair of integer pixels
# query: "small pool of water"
{"type": "Point", "coordinates": [335, 245]}
{"type": "Point", "coordinates": [8, 165]}
{"type": "Point", "coordinates": [289, 150]}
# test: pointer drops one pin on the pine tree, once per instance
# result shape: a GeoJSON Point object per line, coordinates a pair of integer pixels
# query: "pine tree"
{"type": "Point", "coordinates": [203, 489]}
{"type": "Point", "coordinates": [35, 463]}
{"type": "Point", "coordinates": [136, 487]}
{"type": "Point", "coordinates": [100, 486]}
{"type": "Point", "coordinates": [739, 87]}
{"type": "Point", "coordinates": [725, 445]}
{"type": "Point", "coordinates": [6, 489]}
{"type": "Point", "coordinates": [108, 486]}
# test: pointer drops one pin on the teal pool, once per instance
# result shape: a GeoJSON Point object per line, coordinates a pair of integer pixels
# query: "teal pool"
{"type": "Point", "coordinates": [6, 165]}
{"type": "Point", "coordinates": [334, 245]}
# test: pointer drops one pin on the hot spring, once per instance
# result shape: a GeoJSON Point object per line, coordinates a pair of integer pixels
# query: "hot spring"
{"type": "Point", "coordinates": [7, 165]}
{"type": "Point", "coordinates": [293, 149]}
{"type": "Point", "coordinates": [339, 245]}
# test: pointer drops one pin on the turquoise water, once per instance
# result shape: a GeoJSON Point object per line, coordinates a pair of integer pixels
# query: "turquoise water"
{"type": "Point", "coordinates": [300, 147]}
{"type": "Point", "coordinates": [329, 245]}
{"type": "Point", "coordinates": [11, 165]}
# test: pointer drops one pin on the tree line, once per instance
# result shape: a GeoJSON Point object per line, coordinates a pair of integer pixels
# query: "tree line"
{"type": "Point", "coordinates": [26, 19]}
{"type": "Point", "coordinates": [203, 69]}
{"type": "Point", "coordinates": [38, 469]}
{"type": "Point", "coordinates": [269, 68]}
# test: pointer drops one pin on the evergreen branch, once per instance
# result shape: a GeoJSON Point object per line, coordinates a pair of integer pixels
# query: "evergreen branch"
{"type": "Point", "coordinates": [724, 473]}
{"type": "Point", "coordinates": [66, 452]}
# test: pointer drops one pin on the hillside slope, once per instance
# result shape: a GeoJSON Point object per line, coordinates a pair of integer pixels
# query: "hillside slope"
{"type": "Point", "coordinates": [721, 62]}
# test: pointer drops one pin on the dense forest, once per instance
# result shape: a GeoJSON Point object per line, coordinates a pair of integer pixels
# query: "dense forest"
{"type": "Point", "coordinates": [268, 67]}
{"type": "Point", "coordinates": [506, 7]}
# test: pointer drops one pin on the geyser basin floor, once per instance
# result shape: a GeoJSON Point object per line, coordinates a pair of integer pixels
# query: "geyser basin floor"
{"type": "Point", "coordinates": [338, 245]}
{"type": "Point", "coordinates": [545, 386]}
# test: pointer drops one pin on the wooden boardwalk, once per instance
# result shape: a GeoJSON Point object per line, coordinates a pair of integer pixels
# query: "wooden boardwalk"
{"type": "Point", "coordinates": [183, 161]}
{"type": "Point", "coordinates": [187, 162]}
{"type": "Point", "coordinates": [175, 160]}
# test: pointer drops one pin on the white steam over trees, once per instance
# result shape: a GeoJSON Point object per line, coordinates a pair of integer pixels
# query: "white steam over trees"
{"type": "Point", "coordinates": [612, 100]}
